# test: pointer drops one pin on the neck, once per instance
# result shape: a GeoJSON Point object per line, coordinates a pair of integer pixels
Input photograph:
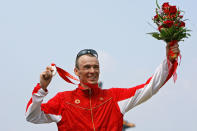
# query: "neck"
{"type": "Point", "coordinates": [89, 86]}
{"type": "Point", "coordinates": [84, 86]}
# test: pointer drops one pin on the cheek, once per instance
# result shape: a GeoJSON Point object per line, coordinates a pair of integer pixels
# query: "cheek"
{"type": "Point", "coordinates": [82, 73]}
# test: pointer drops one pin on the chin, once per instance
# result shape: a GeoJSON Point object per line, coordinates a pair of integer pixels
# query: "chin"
{"type": "Point", "coordinates": [92, 82]}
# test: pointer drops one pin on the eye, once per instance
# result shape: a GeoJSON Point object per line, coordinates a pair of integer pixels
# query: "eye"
{"type": "Point", "coordinates": [96, 67]}
{"type": "Point", "coordinates": [87, 67]}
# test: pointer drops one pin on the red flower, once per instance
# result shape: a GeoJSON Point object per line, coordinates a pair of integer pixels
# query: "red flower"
{"type": "Point", "coordinates": [180, 16]}
{"type": "Point", "coordinates": [165, 7]}
{"type": "Point", "coordinates": [182, 24]}
{"type": "Point", "coordinates": [168, 23]}
{"type": "Point", "coordinates": [160, 27]}
{"type": "Point", "coordinates": [166, 17]}
{"type": "Point", "coordinates": [156, 16]}
{"type": "Point", "coordinates": [173, 16]}
{"type": "Point", "coordinates": [172, 10]}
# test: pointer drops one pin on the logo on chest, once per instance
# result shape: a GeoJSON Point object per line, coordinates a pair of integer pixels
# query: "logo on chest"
{"type": "Point", "coordinates": [77, 101]}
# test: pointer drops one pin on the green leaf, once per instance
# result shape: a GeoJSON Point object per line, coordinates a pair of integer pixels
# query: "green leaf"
{"type": "Point", "coordinates": [185, 19]}
{"type": "Point", "coordinates": [160, 18]}
{"type": "Point", "coordinates": [157, 36]}
{"type": "Point", "coordinates": [188, 30]}
{"type": "Point", "coordinates": [164, 33]}
{"type": "Point", "coordinates": [188, 34]}
{"type": "Point", "coordinates": [157, 4]}
{"type": "Point", "coordinates": [151, 33]}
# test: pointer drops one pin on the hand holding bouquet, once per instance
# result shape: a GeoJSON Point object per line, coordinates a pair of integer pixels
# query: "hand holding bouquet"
{"type": "Point", "coordinates": [171, 27]}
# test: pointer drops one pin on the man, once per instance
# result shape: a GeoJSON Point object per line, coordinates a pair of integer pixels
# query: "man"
{"type": "Point", "coordinates": [88, 107]}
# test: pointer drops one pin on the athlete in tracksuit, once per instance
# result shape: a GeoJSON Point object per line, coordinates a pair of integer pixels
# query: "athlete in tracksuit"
{"type": "Point", "coordinates": [90, 108]}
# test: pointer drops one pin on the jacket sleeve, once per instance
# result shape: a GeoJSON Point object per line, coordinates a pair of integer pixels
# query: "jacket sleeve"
{"type": "Point", "coordinates": [127, 98]}
{"type": "Point", "coordinates": [38, 113]}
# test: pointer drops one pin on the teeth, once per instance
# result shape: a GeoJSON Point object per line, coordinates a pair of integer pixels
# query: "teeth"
{"type": "Point", "coordinates": [93, 77]}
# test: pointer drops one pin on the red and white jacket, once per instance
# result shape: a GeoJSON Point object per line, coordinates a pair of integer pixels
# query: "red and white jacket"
{"type": "Point", "coordinates": [93, 109]}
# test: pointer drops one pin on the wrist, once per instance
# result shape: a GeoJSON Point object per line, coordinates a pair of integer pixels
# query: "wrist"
{"type": "Point", "coordinates": [43, 87]}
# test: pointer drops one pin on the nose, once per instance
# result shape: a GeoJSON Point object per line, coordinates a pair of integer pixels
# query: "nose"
{"type": "Point", "coordinates": [92, 70]}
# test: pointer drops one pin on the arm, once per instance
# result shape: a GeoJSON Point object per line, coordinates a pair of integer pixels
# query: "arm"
{"type": "Point", "coordinates": [131, 97]}
{"type": "Point", "coordinates": [36, 112]}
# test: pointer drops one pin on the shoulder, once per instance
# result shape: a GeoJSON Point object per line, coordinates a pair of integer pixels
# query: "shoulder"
{"type": "Point", "coordinates": [65, 94]}
{"type": "Point", "coordinates": [111, 91]}
{"type": "Point", "coordinates": [115, 89]}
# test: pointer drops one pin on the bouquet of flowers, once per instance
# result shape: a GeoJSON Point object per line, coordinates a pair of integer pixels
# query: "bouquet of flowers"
{"type": "Point", "coordinates": [171, 27]}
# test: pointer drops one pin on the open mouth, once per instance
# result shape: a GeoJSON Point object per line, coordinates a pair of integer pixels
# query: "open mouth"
{"type": "Point", "coordinates": [92, 78]}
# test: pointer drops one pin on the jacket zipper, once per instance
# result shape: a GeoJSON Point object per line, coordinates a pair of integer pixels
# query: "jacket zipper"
{"type": "Point", "coordinates": [91, 109]}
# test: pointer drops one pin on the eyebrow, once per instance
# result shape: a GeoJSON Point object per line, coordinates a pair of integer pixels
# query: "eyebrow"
{"type": "Point", "coordinates": [89, 65]}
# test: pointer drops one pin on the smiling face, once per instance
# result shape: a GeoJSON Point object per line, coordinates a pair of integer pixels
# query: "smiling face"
{"type": "Point", "coordinates": [88, 69]}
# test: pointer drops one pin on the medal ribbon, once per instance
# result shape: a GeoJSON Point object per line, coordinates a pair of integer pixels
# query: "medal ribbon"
{"type": "Point", "coordinates": [64, 74]}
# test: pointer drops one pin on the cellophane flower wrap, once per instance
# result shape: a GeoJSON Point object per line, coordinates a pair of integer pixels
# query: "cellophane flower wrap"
{"type": "Point", "coordinates": [170, 23]}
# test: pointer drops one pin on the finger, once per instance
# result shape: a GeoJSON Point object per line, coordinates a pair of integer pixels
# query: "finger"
{"type": "Point", "coordinates": [174, 48]}
{"type": "Point", "coordinates": [176, 52]}
{"type": "Point", "coordinates": [49, 68]}
{"type": "Point", "coordinates": [46, 75]}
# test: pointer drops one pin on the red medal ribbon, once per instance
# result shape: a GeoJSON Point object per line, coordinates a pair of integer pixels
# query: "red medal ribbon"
{"type": "Point", "coordinates": [65, 75]}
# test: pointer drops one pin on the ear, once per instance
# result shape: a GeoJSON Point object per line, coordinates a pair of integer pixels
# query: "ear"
{"type": "Point", "coordinates": [76, 70]}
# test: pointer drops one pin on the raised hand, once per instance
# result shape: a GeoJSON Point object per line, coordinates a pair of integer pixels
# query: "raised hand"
{"type": "Point", "coordinates": [172, 51]}
{"type": "Point", "coordinates": [46, 77]}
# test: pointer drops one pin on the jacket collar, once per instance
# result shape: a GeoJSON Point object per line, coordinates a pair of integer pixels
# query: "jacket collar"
{"type": "Point", "coordinates": [91, 86]}
{"type": "Point", "coordinates": [94, 90]}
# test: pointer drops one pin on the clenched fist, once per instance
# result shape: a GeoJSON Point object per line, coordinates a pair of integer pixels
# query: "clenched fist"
{"type": "Point", "coordinates": [174, 49]}
{"type": "Point", "coordinates": [46, 77]}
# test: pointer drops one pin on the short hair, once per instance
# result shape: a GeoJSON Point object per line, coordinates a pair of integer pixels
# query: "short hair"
{"type": "Point", "coordinates": [89, 52]}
